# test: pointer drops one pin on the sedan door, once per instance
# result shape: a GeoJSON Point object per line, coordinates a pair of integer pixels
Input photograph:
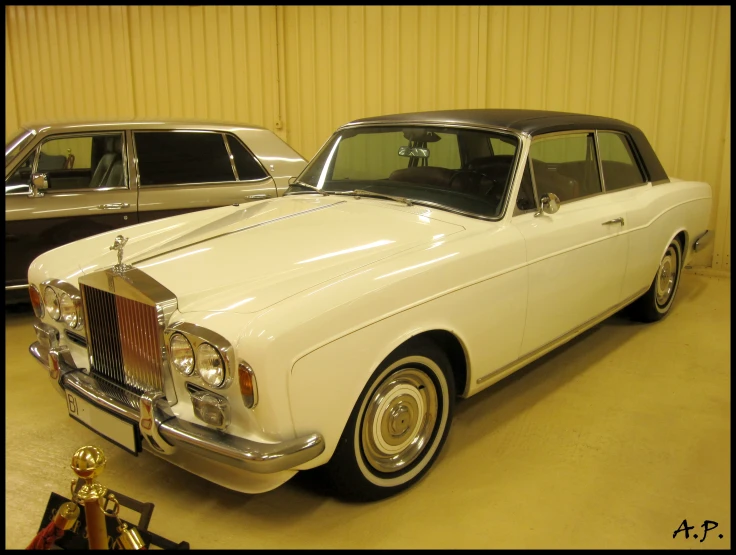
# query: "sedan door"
{"type": "Point", "coordinates": [577, 255]}
{"type": "Point", "coordinates": [88, 193]}
{"type": "Point", "coordinates": [182, 171]}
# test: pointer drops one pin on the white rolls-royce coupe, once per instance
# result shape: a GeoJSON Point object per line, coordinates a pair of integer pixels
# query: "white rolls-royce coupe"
{"type": "Point", "coordinates": [417, 258]}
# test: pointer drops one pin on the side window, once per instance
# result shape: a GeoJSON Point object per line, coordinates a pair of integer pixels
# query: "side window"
{"type": "Point", "coordinates": [503, 148]}
{"type": "Point", "coordinates": [83, 161]}
{"type": "Point", "coordinates": [619, 165]}
{"type": "Point", "coordinates": [245, 163]}
{"type": "Point", "coordinates": [179, 157]}
{"type": "Point", "coordinates": [20, 180]}
{"type": "Point", "coordinates": [525, 198]}
{"type": "Point", "coordinates": [565, 165]}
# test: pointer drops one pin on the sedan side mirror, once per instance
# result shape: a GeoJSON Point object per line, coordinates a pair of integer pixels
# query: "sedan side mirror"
{"type": "Point", "coordinates": [550, 204]}
{"type": "Point", "coordinates": [39, 183]}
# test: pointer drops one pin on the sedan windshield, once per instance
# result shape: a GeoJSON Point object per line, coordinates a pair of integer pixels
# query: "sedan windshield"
{"type": "Point", "coordinates": [20, 140]}
{"type": "Point", "coordinates": [460, 170]}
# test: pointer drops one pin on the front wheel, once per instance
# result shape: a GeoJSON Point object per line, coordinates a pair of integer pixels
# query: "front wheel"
{"type": "Point", "coordinates": [655, 304]}
{"type": "Point", "coordinates": [398, 425]}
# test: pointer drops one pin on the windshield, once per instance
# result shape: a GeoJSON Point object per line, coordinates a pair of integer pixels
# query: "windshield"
{"type": "Point", "coordinates": [13, 148]}
{"type": "Point", "coordinates": [459, 170]}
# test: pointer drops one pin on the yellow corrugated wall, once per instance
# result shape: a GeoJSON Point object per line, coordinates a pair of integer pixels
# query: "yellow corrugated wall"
{"type": "Point", "coordinates": [304, 70]}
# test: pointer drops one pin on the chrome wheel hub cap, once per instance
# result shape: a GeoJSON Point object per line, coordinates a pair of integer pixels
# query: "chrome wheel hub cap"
{"type": "Point", "coordinates": [399, 420]}
{"type": "Point", "coordinates": [666, 276]}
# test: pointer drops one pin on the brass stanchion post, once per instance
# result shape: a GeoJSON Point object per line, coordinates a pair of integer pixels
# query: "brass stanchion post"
{"type": "Point", "coordinates": [88, 463]}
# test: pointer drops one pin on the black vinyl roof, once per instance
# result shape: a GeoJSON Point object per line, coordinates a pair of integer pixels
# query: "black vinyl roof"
{"type": "Point", "coordinates": [532, 122]}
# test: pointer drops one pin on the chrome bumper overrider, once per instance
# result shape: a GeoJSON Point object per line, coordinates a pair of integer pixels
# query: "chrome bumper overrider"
{"type": "Point", "coordinates": [166, 433]}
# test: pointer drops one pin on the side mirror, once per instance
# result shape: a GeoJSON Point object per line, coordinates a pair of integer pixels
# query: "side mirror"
{"type": "Point", "coordinates": [550, 204]}
{"type": "Point", "coordinates": [39, 183]}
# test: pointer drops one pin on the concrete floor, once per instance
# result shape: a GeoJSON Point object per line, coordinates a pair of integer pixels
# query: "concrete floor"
{"type": "Point", "coordinates": [609, 442]}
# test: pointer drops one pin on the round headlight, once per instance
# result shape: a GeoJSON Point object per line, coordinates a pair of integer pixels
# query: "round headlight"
{"type": "Point", "coordinates": [51, 300]}
{"type": "Point", "coordinates": [36, 301]}
{"type": "Point", "coordinates": [210, 365]}
{"type": "Point", "coordinates": [71, 312]}
{"type": "Point", "coordinates": [182, 354]}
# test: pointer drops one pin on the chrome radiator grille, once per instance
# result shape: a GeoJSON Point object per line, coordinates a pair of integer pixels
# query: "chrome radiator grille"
{"type": "Point", "coordinates": [124, 340]}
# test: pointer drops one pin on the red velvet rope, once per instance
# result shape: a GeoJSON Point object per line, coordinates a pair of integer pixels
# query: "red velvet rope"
{"type": "Point", "coordinates": [46, 537]}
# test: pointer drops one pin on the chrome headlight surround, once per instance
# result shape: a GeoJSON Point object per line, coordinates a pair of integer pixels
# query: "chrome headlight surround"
{"type": "Point", "coordinates": [198, 337]}
{"type": "Point", "coordinates": [63, 303]}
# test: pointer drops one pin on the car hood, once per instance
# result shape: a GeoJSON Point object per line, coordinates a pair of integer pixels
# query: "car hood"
{"type": "Point", "coordinates": [248, 258]}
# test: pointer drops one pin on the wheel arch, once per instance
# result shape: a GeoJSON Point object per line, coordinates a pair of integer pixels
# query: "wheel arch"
{"type": "Point", "coordinates": [339, 391]}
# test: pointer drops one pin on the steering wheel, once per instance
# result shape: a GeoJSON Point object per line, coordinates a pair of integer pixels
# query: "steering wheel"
{"type": "Point", "coordinates": [480, 176]}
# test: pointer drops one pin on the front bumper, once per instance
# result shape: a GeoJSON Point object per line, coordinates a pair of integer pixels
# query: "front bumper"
{"type": "Point", "coordinates": [168, 435]}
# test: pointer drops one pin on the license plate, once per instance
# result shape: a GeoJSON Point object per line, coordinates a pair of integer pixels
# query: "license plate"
{"type": "Point", "coordinates": [112, 428]}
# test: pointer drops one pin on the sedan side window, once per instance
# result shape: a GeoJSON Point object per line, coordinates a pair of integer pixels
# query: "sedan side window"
{"type": "Point", "coordinates": [620, 169]}
{"type": "Point", "coordinates": [182, 157]}
{"type": "Point", "coordinates": [565, 165]}
{"type": "Point", "coordinates": [20, 180]}
{"type": "Point", "coordinates": [83, 161]}
{"type": "Point", "coordinates": [245, 163]}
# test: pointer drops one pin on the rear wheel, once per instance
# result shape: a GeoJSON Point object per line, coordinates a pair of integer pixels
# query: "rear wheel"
{"type": "Point", "coordinates": [655, 304]}
{"type": "Point", "coordinates": [398, 425]}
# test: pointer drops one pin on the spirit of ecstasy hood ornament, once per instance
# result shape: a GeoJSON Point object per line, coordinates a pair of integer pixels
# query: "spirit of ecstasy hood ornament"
{"type": "Point", "coordinates": [118, 245]}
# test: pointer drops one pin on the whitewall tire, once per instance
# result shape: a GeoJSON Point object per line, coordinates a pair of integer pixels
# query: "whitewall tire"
{"type": "Point", "coordinates": [398, 426]}
{"type": "Point", "coordinates": [655, 304]}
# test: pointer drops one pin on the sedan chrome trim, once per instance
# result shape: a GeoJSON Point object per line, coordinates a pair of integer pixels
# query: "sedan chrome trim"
{"type": "Point", "coordinates": [14, 287]}
{"type": "Point", "coordinates": [543, 350]}
{"type": "Point", "coordinates": [254, 456]}
{"type": "Point", "coordinates": [702, 241]}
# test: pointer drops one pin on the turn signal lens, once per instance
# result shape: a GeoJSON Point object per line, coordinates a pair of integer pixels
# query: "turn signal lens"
{"type": "Point", "coordinates": [247, 380]}
{"type": "Point", "coordinates": [36, 301]}
{"type": "Point", "coordinates": [51, 300]}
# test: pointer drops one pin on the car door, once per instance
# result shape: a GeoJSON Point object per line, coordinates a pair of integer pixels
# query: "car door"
{"type": "Point", "coordinates": [184, 170]}
{"type": "Point", "coordinates": [577, 255]}
{"type": "Point", "coordinates": [88, 193]}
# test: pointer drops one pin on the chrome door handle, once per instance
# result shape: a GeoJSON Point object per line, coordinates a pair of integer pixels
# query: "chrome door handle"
{"type": "Point", "coordinates": [113, 206]}
{"type": "Point", "coordinates": [258, 197]}
{"type": "Point", "coordinates": [614, 221]}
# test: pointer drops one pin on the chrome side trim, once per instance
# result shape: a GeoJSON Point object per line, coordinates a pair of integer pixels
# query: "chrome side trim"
{"type": "Point", "coordinates": [703, 240]}
{"type": "Point", "coordinates": [253, 456]}
{"type": "Point", "coordinates": [600, 162]}
{"type": "Point", "coordinates": [14, 287]}
{"type": "Point", "coordinates": [540, 352]}
{"type": "Point", "coordinates": [231, 157]}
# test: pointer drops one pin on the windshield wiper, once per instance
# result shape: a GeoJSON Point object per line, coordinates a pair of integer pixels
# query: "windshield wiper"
{"type": "Point", "coordinates": [308, 186]}
{"type": "Point", "coordinates": [364, 193]}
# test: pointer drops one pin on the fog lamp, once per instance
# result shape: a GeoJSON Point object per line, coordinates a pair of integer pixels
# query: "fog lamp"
{"type": "Point", "coordinates": [210, 408]}
{"type": "Point", "coordinates": [36, 301]}
{"type": "Point", "coordinates": [46, 335]}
